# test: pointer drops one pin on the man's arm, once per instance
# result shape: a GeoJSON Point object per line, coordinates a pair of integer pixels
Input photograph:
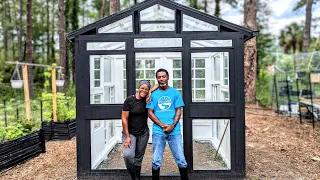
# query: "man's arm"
{"type": "Point", "coordinates": [154, 118]}
{"type": "Point", "coordinates": [175, 122]}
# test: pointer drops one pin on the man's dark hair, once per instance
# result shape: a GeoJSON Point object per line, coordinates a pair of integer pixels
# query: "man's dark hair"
{"type": "Point", "coordinates": [162, 70]}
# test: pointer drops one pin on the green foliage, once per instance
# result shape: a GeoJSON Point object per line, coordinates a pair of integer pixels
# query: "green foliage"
{"type": "Point", "coordinates": [263, 93]}
{"type": "Point", "coordinates": [291, 38]}
{"type": "Point", "coordinates": [63, 112]}
{"type": "Point", "coordinates": [14, 130]}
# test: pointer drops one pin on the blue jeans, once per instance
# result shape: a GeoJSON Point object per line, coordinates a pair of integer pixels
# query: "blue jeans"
{"type": "Point", "coordinates": [175, 144]}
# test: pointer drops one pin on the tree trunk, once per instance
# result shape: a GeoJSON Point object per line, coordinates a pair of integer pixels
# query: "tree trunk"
{"type": "Point", "coordinates": [53, 53]}
{"type": "Point", "coordinates": [20, 33]}
{"type": "Point", "coordinates": [250, 51]}
{"type": "Point", "coordinates": [62, 42]}
{"type": "Point", "coordinates": [114, 6]}
{"type": "Point", "coordinates": [205, 6]}
{"type": "Point", "coordinates": [307, 26]}
{"type": "Point", "coordinates": [104, 8]}
{"type": "Point", "coordinates": [194, 4]}
{"type": "Point", "coordinates": [217, 8]}
{"type": "Point", "coordinates": [29, 45]}
{"type": "Point", "coordinates": [5, 31]}
{"type": "Point", "coordinates": [135, 2]}
{"type": "Point", "coordinates": [48, 32]}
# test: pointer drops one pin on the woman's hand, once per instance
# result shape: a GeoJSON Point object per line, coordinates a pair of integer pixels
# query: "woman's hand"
{"type": "Point", "coordinates": [127, 142]}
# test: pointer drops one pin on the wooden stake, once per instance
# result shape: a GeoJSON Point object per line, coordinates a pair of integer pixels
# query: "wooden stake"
{"type": "Point", "coordinates": [26, 91]}
{"type": "Point", "coordinates": [224, 132]}
{"type": "Point", "coordinates": [54, 94]}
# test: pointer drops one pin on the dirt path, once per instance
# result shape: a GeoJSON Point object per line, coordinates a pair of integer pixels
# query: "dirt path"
{"type": "Point", "coordinates": [276, 148]}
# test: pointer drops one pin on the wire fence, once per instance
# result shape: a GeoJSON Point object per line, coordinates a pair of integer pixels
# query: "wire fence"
{"type": "Point", "coordinates": [294, 82]}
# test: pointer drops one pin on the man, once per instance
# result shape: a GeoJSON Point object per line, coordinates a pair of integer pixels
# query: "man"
{"type": "Point", "coordinates": [164, 110]}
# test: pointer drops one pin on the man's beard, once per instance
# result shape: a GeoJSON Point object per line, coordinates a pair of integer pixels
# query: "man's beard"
{"type": "Point", "coordinates": [162, 84]}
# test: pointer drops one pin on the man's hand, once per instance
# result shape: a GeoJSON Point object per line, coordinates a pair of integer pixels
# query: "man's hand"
{"type": "Point", "coordinates": [168, 129]}
{"type": "Point", "coordinates": [127, 142]}
{"type": "Point", "coordinates": [148, 98]}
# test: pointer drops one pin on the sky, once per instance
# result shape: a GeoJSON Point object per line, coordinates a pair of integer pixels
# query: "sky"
{"type": "Point", "coordinates": [281, 16]}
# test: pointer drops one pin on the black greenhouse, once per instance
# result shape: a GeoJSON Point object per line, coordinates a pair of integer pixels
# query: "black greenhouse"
{"type": "Point", "coordinates": [204, 56]}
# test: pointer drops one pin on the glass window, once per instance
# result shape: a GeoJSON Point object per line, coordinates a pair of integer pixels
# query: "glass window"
{"type": "Point", "coordinates": [96, 46]}
{"type": "Point", "coordinates": [210, 77]}
{"type": "Point", "coordinates": [193, 24]}
{"type": "Point", "coordinates": [145, 69]}
{"type": "Point", "coordinates": [106, 145]}
{"type": "Point", "coordinates": [157, 42]}
{"type": "Point", "coordinates": [211, 150]}
{"type": "Point", "coordinates": [157, 13]}
{"type": "Point", "coordinates": [211, 43]}
{"type": "Point", "coordinates": [198, 79]}
{"type": "Point", "coordinates": [121, 26]}
{"type": "Point", "coordinates": [157, 27]}
{"type": "Point", "coordinates": [106, 81]}
{"type": "Point", "coordinates": [225, 69]}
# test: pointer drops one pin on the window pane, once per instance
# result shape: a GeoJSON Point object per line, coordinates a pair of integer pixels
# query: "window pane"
{"type": "Point", "coordinates": [107, 70]}
{"type": "Point", "coordinates": [97, 99]}
{"type": "Point", "coordinates": [192, 73]}
{"type": "Point", "coordinates": [157, 27]}
{"type": "Point", "coordinates": [97, 74]}
{"type": "Point", "coordinates": [156, 13]}
{"type": "Point", "coordinates": [157, 42]}
{"type": "Point", "coordinates": [200, 94]}
{"type": "Point", "coordinates": [97, 83]}
{"type": "Point", "coordinates": [200, 73]}
{"type": "Point", "coordinates": [225, 72]}
{"type": "Point", "coordinates": [96, 63]}
{"type": "Point", "coordinates": [150, 63]}
{"type": "Point", "coordinates": [177, 73]}
{"type": "Point", "coordinates": [124, 94]}
{"type": "Point", "coordinates": [150, 74]}
{"type": "Point", "coordinates": [139, 74]}
{"type": "Point", "coordinates": [139, 64]}
{"type": "Point", "coordinates": [200, 63]}
{"type": "Point", "coordinates": [124, 74]}
{"type": "Point", "coordinates": [225, 59]}
{"type": "Point", "coordinates": [211, 43]}
{"type": "Point", "coordinates": [177, 63]}
{"type": "Point", "coordinates": [177, 83]}
{"type": "Point", "coordinates": [205, 145]}
{"type": "Point", "coordinates": [123, 25]}
{"type": "Point", "coordinates": [152, 82]}
{"type": "Point", "coordinates": [96, 46]}
{"type": "Point", "coordinates": [193, 24]}
{"type": "Point", "coordinates": [200, 83]}
{"type": "Point", "coordinates": [226, 82]}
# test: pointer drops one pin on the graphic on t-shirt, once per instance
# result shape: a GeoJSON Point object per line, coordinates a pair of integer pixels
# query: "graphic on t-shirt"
{"type": "Point", "coordinates": [164, 102]}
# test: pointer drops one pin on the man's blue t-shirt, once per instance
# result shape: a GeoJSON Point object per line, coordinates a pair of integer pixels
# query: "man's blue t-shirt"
{"type": "Point", "coordinates": [164, 104]}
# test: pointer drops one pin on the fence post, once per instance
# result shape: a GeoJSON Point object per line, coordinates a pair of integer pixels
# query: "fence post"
{"type": "Point", "coordinates": [5, 113]}
{"type": "Point", "coordinates": [276, 91]}
{"type": "Point", "coordinates": [17, 111]}
{"type": "Point", "coordinates": [41, 110]}
{"type": "Point", "coordinates": [42, 141]}
{"type": "Point", "coordinates": [288, 94]}
{"type": "Point", "coordinates": [298, 89]}
{"type": "Point", "coordinates": [311, 99]}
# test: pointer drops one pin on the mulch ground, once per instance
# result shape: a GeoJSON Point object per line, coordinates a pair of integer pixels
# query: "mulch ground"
{"type": "Point", "coordinates": [276, 148]}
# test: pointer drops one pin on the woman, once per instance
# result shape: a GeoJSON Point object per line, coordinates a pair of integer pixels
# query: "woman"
{"type": "Point", "coordinates": [135, 128]}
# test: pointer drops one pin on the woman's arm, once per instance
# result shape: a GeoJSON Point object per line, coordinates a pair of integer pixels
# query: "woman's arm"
{"type": "Point", "coordinates": [125, 117]}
